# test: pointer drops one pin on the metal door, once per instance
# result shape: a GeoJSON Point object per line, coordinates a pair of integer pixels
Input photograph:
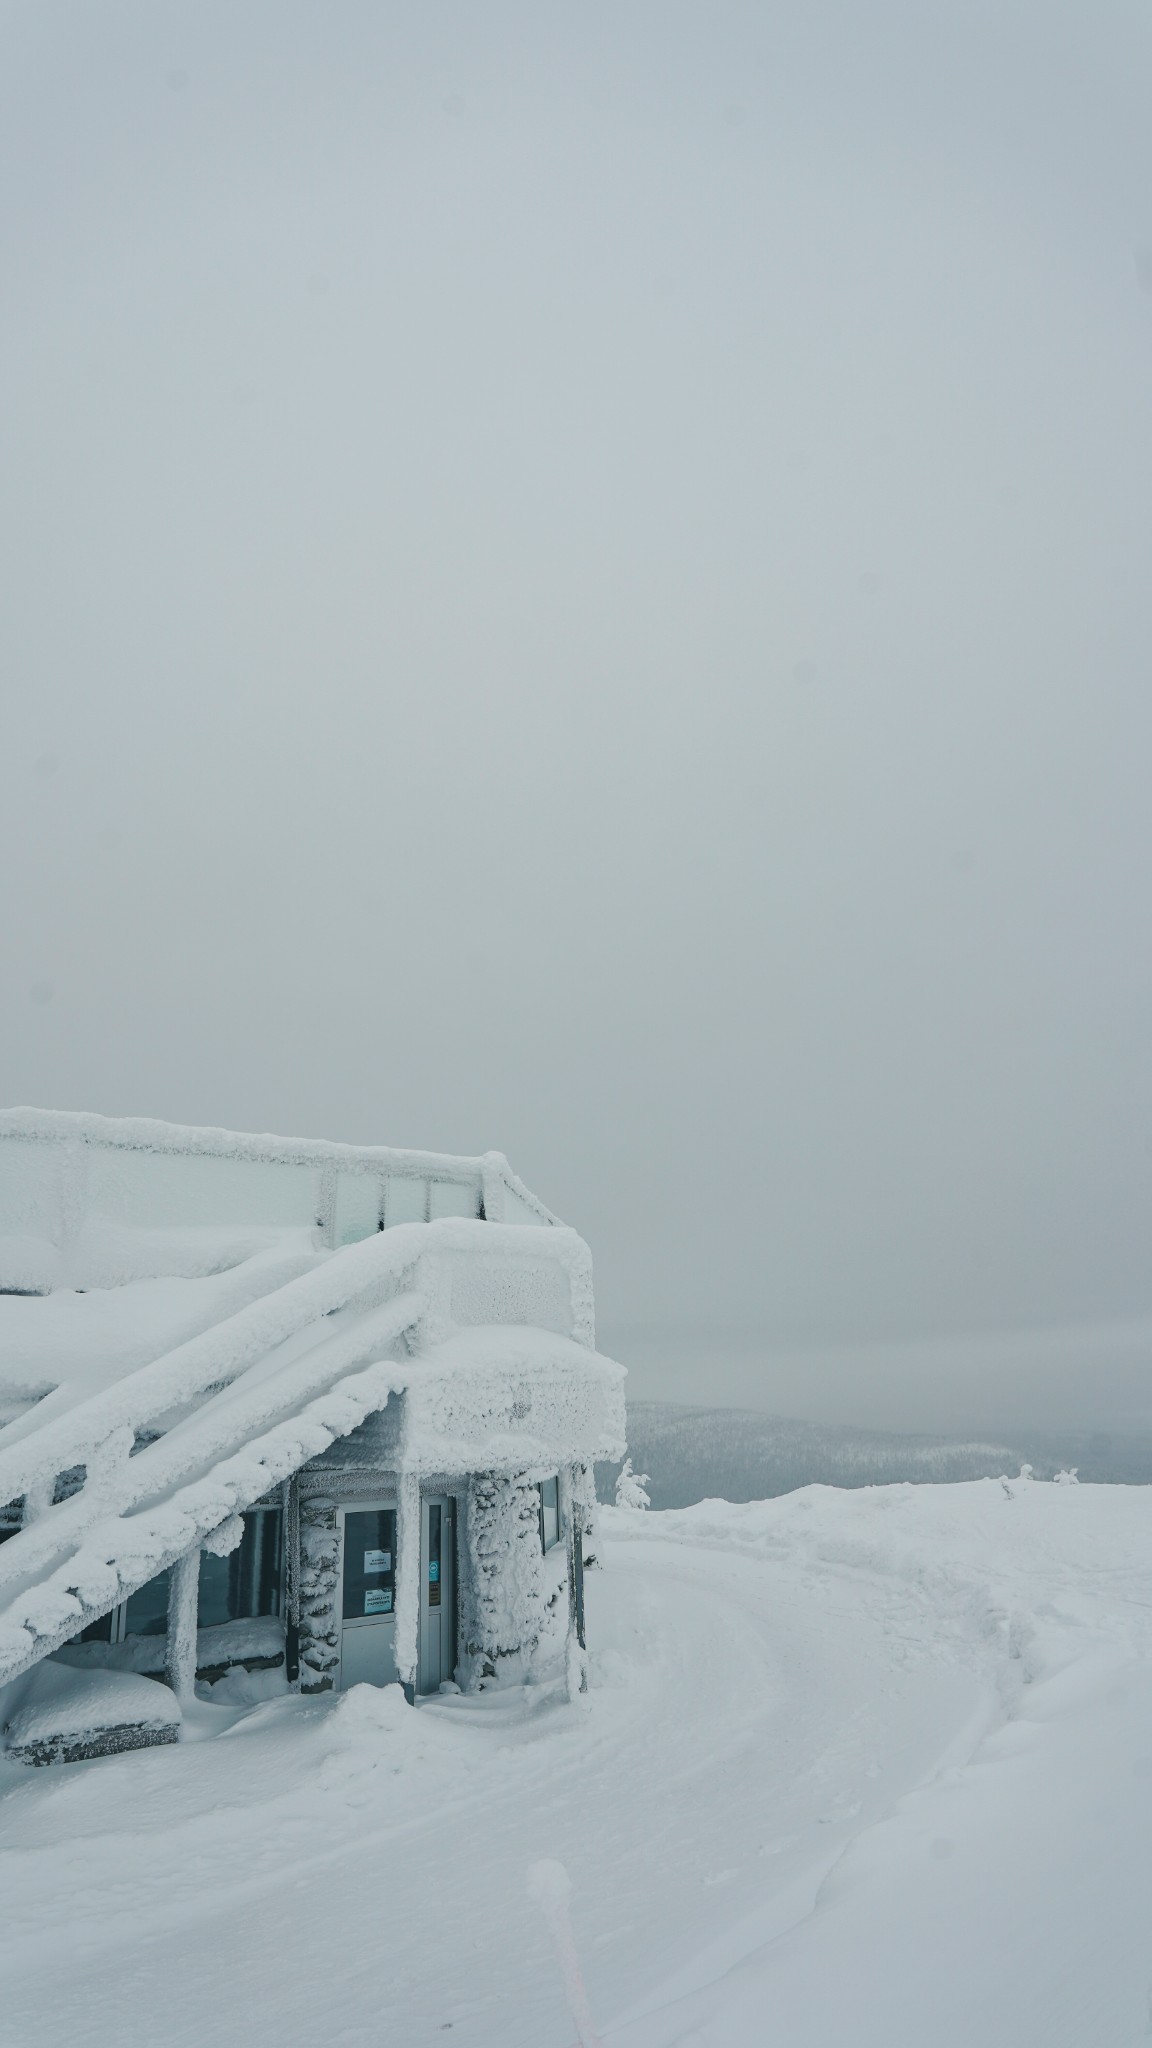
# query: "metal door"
{"type": "Point", "coordinates": [368, 1622]}
{"type": "Point", "coordinates": [437, 1591]}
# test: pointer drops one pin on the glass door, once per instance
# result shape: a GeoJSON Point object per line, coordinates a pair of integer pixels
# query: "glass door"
{"type": "Point", "coordinates": [368, 1617]}
{"type": "Point", "coordinates": [437, 1592]}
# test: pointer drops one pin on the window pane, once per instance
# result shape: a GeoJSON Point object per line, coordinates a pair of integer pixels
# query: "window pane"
{"type": "Point", "coordinates": [148, 1609]}
{"type": "Point", "coordinates": [369, 1562]}
{"type": "Point", "coordinates": [550, 1512]}
{"type": "Point", "coordinates": [96, 1631]}
{"type": "Point", "coordinates": [213, 1603]}
{"type": "Point", "coordinates": [452, 1198]}
{"type": "Point", "coordinates": [267, 1558]}
{"type": "Point", "coordinates": [406, 1200]}
{"type": "Point", "coordinates": [434, 1556]}
{"type": "Point", "coordinates": [247, 1582]}
{"type": "Point", "coordinates": [358, 1198]}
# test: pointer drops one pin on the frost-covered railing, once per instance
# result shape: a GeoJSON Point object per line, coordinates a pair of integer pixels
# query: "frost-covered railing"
{"type": "Point", "coordinates": [237, 1419]}
{"type": "Point", "coordinates": [87, 1200]}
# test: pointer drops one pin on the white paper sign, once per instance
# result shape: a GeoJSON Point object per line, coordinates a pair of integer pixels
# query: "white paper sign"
{"type": "Point", "coordinates": [378, 1600]}
{"type": "Point", "coordinates": [377, 1561]}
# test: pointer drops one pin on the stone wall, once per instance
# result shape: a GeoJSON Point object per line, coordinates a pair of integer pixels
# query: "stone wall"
{"type": "Point", "coordinates": [501, 1621]}
{"type": "Point", "coordinates": [319, 1590]}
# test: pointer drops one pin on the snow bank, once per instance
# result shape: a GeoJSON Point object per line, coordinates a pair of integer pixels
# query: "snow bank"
{"type": "Point", "coordinates": [996, 1891]}
{"type": "Point", "coordinates": [57, 1714]}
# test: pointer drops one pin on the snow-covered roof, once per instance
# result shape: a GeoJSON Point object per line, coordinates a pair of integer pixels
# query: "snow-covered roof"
{"type": "Point", "coordinates": [170, 1402]}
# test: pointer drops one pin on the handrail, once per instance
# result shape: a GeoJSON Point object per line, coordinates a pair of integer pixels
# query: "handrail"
{"type": "Point", "coordinates": [152, 1134]}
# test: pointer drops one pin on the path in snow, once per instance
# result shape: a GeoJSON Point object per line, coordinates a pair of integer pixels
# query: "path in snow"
{"type": "Point", "coordinates": [751, 1806]}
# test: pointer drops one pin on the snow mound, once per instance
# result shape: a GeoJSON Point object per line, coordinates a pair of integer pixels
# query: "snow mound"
{"type": "Point", "coordinates": [59, 1714]}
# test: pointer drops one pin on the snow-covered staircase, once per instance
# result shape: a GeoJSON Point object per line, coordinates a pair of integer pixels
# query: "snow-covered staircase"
{"type": "Point", "coordinates": [234, 1412]}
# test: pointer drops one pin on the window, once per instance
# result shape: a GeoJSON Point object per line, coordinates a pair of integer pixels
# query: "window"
{"type": "Point", "coordinates": [146, 1610]}
{"type": "Point", "coordinates": [235, 1588]}
{"type": "Point", "coordinates": [247, 1582]}
{"type": "Point", "coordinates": [98, 1631]}
{"type": "Point", "coordinates": [549, 1513]}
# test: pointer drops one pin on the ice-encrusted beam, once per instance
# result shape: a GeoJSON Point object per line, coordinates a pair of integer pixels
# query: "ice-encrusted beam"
{"type": "Point", "coordinates": [378, 1264]}
{"type": "Point", "coordinates": [232, 1418]}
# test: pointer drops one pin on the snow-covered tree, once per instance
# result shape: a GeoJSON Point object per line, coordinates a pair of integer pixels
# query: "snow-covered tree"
{"type": "Point", "coordinates": [630, 1488]}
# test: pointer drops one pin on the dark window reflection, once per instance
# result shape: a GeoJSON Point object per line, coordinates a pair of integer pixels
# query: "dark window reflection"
{"type": "Point", "coordinates": [369, 1562]}
{"type": "Point", "coordinates": [246, 1583]}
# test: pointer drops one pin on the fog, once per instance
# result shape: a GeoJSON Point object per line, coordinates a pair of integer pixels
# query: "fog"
{"type": "Point", "coordinates": [577, 581]}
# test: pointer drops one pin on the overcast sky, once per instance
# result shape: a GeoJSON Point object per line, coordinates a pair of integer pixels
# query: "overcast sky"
{"type": "Point", "coordinates": [577, 579]}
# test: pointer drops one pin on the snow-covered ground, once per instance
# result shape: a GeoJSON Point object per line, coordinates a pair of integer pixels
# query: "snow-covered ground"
{"type": "Point", "coordinates": [872, 1767]}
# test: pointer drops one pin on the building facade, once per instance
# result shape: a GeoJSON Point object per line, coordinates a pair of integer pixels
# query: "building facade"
{"type": "Point", "coordinates": [322, 1412]}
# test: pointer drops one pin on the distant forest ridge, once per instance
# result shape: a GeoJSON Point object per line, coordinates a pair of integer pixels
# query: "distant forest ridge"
{"type": "Point", "coordinates": [740, 1454]}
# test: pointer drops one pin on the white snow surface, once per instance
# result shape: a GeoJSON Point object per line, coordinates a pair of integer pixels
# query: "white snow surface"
{"type": "Point", "coordinates": [869, 1766]}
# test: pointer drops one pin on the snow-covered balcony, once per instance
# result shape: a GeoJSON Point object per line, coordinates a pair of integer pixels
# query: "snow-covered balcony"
{"type": "Point", "coordinates": [94, 1201]}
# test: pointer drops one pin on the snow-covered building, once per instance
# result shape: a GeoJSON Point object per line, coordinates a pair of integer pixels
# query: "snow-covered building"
{"type": "Point", "coordinates": [322, 1410]}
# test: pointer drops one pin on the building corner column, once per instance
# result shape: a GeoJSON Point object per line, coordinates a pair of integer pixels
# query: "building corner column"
{"type": "Point", "coordinates": [407, 1637]}
{"type": "Point", "coordinates": [183, 1598]}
